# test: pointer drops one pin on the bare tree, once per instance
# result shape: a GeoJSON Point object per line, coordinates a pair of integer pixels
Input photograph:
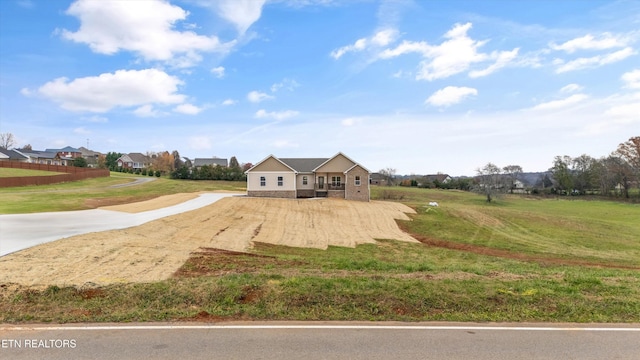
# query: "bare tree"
{"type": "Point", "coordinates": [7, 141]}
{"type": "Point", "coordinates": [489, 181]}
{"type": "Point", "coordinates": [512, 172]}
{"type": "Point", "coordinates": [389, 175]}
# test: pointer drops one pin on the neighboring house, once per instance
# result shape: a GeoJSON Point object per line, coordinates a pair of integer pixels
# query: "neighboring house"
{"type": "Point", "coordinates": [440, 178]}
{"type": "Point", "coordinates": [133, 161]}
{"type": "Point", "coordinates": [337, 177]}
{"type": "Point", "coordinates": [12, 155]}
{"type": "Point", "coordinates": [44, 157]}
{"type": "Point", "coordinates": [90, 155]}
{"type": "Point", "coordinates": [66, 152]}
{"type": "Point", "coordinates": [199, 162]}
{"type": "Point", "coordinates": [378, 179]}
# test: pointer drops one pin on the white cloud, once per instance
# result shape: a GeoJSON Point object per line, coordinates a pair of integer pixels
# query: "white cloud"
{"type": "Point", "coordinates": [288, 84]}
{"type": "Point", "coordinates": [594, 61]}
{"type": "Point", "coordinates": [560, 104]}
{"type": "Point", "coordinates": [200, 143]}
{"type": "Point", "coordinates": [453, 56]}
{"type": "Point", "coordinates": [257, 96]}
{"type": "Point", "coordinates": [503, 58]}
{"type": "Point", "coordinates": [450, 95]}
{"type": "Point", "coordinates": [589, 42]}
{"type": "Point", "coordinates": [632, 79]}
{"type": "Point", "coordinates": [571, 88]}
{"type": "Point", "coordinates": [276, 115]}
{"type": "Point", "coordinates": [146, 111]}
{"type": "Point", "coordinates": [379, 39]}
{"type": "Point", "coordinates": [218, 72]}
{"type": "Point", "coordinates": [242, 13]}
{"type": "Point", "coordinates": [626, 111]}
{"type": "Point", "coordinates": [229, 102]}
{"type": "Point", "coordinates": [143, 27]}
{"type": "Point", "coordinates": [351, 121]}
{"type": "Point", "coordinates": [124, 88]}
{"type": "Point", "coordinates": [188, 109]}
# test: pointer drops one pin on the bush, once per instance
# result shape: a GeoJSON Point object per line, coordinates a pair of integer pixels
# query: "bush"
{"type": "Point", "coordinates": [157, 173]}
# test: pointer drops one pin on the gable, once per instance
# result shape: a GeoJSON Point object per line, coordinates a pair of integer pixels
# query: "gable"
{"type": "Point", "coordinates": [356, 169]}
{"type": "Point", "coordinates": [338, 163]}
{"type": "Point", "coordinates": [270, 164]}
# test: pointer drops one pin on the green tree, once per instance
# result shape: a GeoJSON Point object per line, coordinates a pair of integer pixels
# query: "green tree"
{"type": "Point", "coordinates": [80, 162]}
{"type": "Point", "coordinates": [489, 181]}
{"type": "Point", "coordinates": [111, 160]}
{"type": "Point", "coordinates": [562, 173]}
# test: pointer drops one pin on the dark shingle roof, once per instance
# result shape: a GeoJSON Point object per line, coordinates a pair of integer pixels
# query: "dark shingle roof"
{"type": "Point", "coordinates": [303, 165]}
{"type": "Point", "coordinates": [13, 155]}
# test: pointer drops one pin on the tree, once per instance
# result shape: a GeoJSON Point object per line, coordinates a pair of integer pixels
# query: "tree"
{"type": "Point", "coordinates": [27, 148]}
{"type": "Point", "coordinates": [583, 173]}
{"type": "Point", "coordinates": [7, 141]}
{"type": "Point", "coordinates": [562, 173]}
{"type": "Point", "coordinates": [233, 163]}
{"type": "Point", "coordinates": [80, 162]}
{"type": "Point", "coordinates": [489, 181]}
{"type": "Point", "coordinates": [389, 175]}
{"type": "Point", "coordinates": [111, 160]}
{"type": "Point", "coordinates": [177, 160]}
{"type": "Point", "coordinates": [162, 162]}
{"type": "Point", "coordinates": [629, 151]}
{"type": "Point", "coordinates": [512, 172]}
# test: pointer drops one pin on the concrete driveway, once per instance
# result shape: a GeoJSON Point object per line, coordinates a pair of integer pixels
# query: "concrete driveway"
{"type": "Point", "coordinates": [21, 231]}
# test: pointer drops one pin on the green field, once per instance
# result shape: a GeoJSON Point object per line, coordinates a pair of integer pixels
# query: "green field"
{"type": "Point", "coordinates": [11, 172]}
{"type": "Point", "coordinates": [519, 259]}
{"type": "Point", "coordinates": [88, 194]}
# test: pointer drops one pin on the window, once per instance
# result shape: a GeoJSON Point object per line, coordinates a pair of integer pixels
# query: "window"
{"type": "Point", "coordinates": [305, 180]}
{"type": "Point", "coordinates": [335, 181]}
{"type": "Point", "coordinates": [263, 181]}
{"type": "Point", "coordinates": [357, 182]}
{"type": "Point", "coordinates": [280, 180]}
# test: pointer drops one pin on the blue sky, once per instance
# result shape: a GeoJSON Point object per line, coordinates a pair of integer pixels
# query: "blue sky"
{"type": "Point", "coordinates": [419, 86]}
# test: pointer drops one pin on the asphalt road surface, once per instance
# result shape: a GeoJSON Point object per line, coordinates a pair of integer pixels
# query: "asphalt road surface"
{"type": "Point", "coordinates": [311, 341]}
{"type": "Point", "coordinates": [20, 231]}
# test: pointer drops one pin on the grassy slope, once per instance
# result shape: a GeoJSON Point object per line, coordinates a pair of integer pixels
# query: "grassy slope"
{"type": "Point", "coordinates": [85, 194]}
{"type": "Point", "coordinates": [392, 280]}
{"type": "Point", "coordinates": [11, 172]}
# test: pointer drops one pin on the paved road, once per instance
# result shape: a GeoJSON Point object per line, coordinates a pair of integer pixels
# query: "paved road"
{"type": "Point", "coordinates": [310, 341]}
{"type": "Point", "coordinates": [20, 231]}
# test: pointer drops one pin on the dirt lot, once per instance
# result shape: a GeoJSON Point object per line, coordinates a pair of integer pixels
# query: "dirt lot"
{"type": "Point", "coordinates": [157, 249]}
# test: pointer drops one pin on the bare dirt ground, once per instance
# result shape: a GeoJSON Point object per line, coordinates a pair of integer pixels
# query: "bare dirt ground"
{"type": "Point", "coordinates": [155, 250]}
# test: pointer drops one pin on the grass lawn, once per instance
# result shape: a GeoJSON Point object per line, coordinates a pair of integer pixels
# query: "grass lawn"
{"type": "Point", "coordinates": [520, 259]}
{"type": "Point", "coordinates": [87, 194]}
{"type": "Point", "coordinates": [11, 172]}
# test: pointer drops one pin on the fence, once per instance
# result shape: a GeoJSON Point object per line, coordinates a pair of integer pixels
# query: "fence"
{"type": "Point", "coordinates": [71, 173]}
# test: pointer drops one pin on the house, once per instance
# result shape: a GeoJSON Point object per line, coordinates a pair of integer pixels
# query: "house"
{"type": "Point", "coordinates": [378, 179]}
{"type": "Point", "coordinates": [66, 152]}
{"type": "Point", "coordinates": [199, 162]}
{"type": "Point", "coordinates": [437, 178]}
{"type": "Point", "coordinates": [90, 155]}
{"type": "Point", "coordinates": [44, 157]}
{"type": "Point", "coordinates": [133, 161]}
{"type": "Point", "coordinates": [335, 177]}
{"type": "Point", "coordinates": [12, 155]}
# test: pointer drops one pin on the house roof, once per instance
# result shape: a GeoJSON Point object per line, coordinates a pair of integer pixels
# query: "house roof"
{"type": "Point", "coordinates": [437, 177]}
{"type": "Point", "coordinates": [139, 158]}
{"type": "Point", "coordinates": [65, 149]}
{"type": "Point", "coordinates": [12, 155]}
{"type": "Point", "coordinates": [303, 165]}
{"type": "Point", "coordinates": [87, 152]}
{"type": "Point", "coordinates": [210, 161]}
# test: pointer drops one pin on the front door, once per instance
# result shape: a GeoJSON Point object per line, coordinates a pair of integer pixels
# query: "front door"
{"type": "Point", "coordinates": [320, 182]}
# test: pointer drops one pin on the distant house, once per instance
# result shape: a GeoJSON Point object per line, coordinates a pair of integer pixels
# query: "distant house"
{"type": "Point", "coordinates": [67, 152]}
{"type": "Point", "coordinates": [44, 157]}
{"type": "Point", "coordinates": [90, 155]}
{"type": "Point", "coordinates": [378, 179]}
{"type": "Point", "coordinates": [437, 178]}
{"type": "Point", "coordinates": [12, 155]}
{"type": "Point", "coordinates": [199, 162]}
{"type": "Point", "coordinates": [133, 161]}
{"type": "Point", "coordinates": [336, 177]}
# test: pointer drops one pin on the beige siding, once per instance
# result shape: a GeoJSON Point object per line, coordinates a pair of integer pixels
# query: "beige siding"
{"type": "Point", "coordinates": [337, 164]}
{"type": "Point", "coordinates": [270, 164]}
{"type": "Point", "coordinates": [271, 177]}
{"type": "Point", "coordinates": [310, 181]}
